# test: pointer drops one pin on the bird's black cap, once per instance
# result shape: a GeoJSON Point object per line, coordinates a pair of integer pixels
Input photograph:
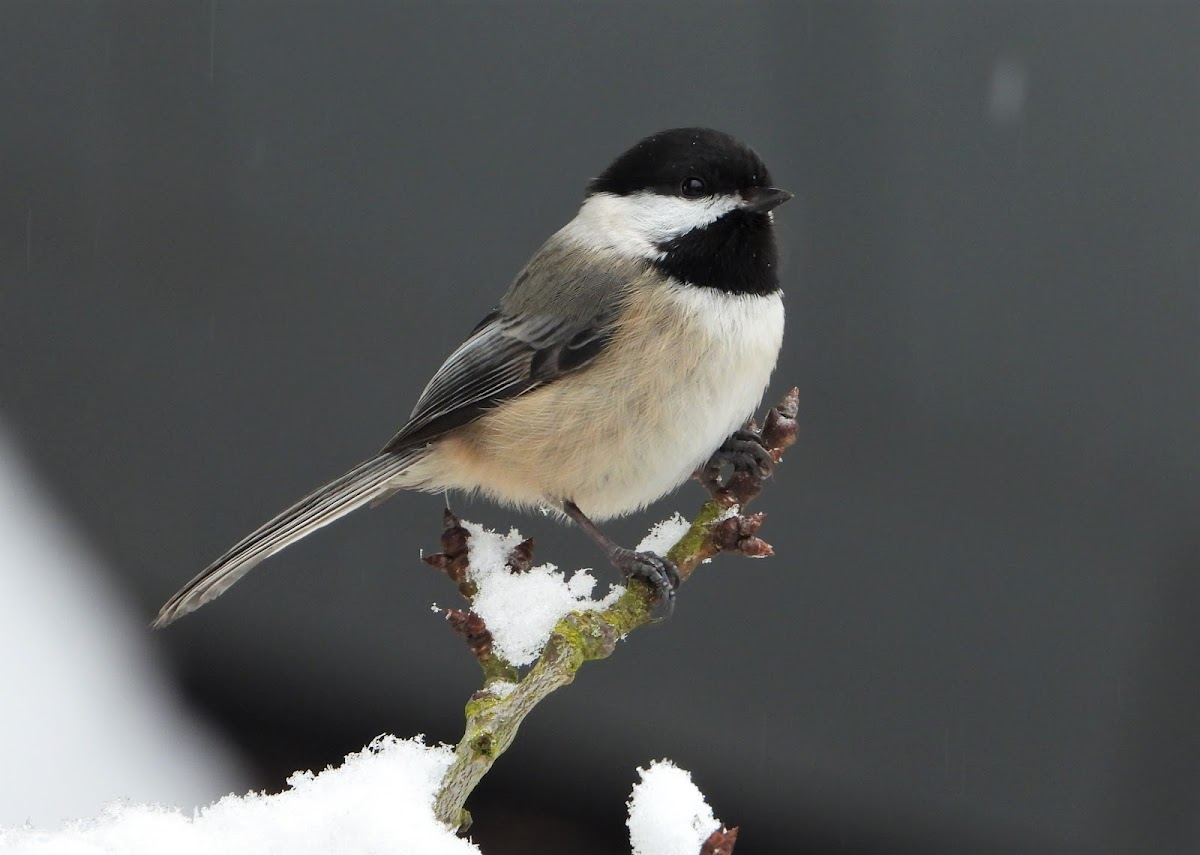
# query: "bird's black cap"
{"type": "Point", "coordinates": [662, 162]}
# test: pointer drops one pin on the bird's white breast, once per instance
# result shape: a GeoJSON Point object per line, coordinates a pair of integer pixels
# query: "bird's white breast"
{"type": "Point", "coordinates": [707, 396]}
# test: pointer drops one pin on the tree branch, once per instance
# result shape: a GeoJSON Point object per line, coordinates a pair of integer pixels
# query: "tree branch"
{"type": "Point", "coordinates": [495, 713]}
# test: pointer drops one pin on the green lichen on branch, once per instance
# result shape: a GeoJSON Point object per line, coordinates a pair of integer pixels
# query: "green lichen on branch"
{"type": "Point", "coordinates": [696, 544]}
{"type": "Point", "coordinates": [495, 713]}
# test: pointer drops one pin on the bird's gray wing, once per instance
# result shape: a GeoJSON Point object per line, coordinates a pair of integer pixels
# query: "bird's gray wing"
{"type": "Point", "coordinates": [504, 357]}
{"type": "Point", "coordinates": [557, 316]}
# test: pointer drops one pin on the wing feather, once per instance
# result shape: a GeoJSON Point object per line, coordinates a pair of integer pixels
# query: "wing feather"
{"type": "Point", "coordinates": [520, 346]}
{"type": "Point", "coordinates": [504, 357]}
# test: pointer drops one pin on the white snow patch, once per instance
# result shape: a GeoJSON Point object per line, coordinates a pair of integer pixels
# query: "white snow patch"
{"type": "Point", "coordinates": [667, 812]}
{"type": "Point", "coordinates": [521, 609]}
{"type": "Point", "coordinates": [664, 535]}
{"type": "Point", "coordinates": [501, 688]}
{"type": "Point", "coordinates": [380, 800]}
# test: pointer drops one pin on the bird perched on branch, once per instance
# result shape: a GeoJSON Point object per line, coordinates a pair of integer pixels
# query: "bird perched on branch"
{"type": "Point", "coordinates": [625, 356]}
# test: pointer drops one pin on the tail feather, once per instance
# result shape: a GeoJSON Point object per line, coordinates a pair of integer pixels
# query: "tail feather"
{"type": "Point", "coordinates": [369, 480]}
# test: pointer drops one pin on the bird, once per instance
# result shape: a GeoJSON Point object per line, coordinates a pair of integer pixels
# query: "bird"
{"type": "Point", "coordinates": [627, 354]}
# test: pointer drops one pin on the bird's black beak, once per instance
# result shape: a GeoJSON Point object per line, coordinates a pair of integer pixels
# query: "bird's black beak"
{"type": "Point", "coordinates": [763, 199]}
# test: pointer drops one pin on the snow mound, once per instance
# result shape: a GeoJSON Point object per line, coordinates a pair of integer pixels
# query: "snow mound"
{"type": "Point", "coordinates": [667, 812]}
{"type": "Point", "coordinates": [378, 801]}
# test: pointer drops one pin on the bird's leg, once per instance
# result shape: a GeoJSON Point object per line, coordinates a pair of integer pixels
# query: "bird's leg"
{"type": "Point", "coordinates": [746, 452]}
{"type": "Point", "coordinates": [659, 572]}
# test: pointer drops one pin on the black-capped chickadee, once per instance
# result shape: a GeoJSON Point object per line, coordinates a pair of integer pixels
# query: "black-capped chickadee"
{"type": "Point", "coordinates": [637, 340]}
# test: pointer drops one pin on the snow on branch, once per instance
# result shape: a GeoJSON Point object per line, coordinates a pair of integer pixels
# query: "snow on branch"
{"type": "Point", "coordinates": [668, 814]}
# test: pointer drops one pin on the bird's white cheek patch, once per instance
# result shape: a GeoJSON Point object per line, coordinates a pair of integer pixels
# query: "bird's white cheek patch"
{"type": "Point", "coordinates": [635, 225]}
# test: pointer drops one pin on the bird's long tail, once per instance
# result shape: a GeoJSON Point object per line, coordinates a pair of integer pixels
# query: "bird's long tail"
{"type": "Point", "coordinates": [369, 480]}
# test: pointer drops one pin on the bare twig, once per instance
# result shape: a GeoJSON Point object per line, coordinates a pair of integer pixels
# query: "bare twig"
{"type": "Point", "coordinates": [494, 714]}
{"type": "Point", "coordinates": [720, 842]}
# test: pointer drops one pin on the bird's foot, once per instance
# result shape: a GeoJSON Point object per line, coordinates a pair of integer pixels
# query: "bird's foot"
{"type": "Point", "coordinates": [660, 573]}
{"type": "Point", "coordinates": [747, 453]}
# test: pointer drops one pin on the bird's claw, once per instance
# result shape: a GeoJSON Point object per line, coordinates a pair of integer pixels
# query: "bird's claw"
{"type": "Point", "coordinates": [660, 573]}
{"type": "Point", "coordinates": [746, 452]}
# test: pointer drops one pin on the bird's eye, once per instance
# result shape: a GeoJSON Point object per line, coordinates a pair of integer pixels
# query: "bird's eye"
{"type": "Point", "coordinates": [693, 187]}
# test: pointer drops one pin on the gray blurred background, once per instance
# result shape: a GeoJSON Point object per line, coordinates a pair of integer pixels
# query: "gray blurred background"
{"type": "Point", "coordinates": [237, 237]}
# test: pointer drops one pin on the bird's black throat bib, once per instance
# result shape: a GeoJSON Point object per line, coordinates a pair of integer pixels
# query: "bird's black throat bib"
{"type": "Point", "coordinates": [735, 254]}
